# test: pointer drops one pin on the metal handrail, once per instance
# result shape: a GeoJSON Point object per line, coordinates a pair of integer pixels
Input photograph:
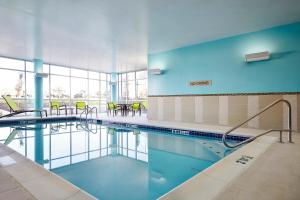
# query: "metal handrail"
{"type": "Point", "coordinates": [266, 132]}
{"type": "Point", "coordinates": [86, 112]}
{"type": "Point", "coordinates": [90, 111]}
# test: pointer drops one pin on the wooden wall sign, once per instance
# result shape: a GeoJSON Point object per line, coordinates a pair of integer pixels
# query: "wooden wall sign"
{"type": "Point", "coordinates": [200, 83]}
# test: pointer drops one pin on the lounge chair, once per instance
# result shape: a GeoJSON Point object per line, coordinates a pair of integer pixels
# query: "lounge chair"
{"type": "Point", "coordinates": [15, 110]}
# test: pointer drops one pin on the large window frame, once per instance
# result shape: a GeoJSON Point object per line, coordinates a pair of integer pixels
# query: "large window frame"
{"type": "Point", "coordinates": [26, 67]}
{"type": "Point", "coordinates": [125, 90]}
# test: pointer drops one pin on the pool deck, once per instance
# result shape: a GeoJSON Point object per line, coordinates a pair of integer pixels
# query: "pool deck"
{"type": "Point", "coordinates": [273, 173]}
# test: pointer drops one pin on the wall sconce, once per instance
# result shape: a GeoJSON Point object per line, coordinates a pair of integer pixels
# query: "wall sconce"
{"type": "Point", "coordinates": [155, 71]}
{"type": "Point", "coordinates": [265, 55]}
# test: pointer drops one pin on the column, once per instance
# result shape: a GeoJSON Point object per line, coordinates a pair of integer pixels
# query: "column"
{"type": "Point", "coordinates": [113, 87]}
{"type": "Point", "coordinates": [38, 68]}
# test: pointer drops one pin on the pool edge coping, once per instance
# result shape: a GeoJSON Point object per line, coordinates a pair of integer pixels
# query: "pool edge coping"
{"type": "Point", "coordinates": [218, 176]}
{"type": "Point", "coordinates": [205, 173]}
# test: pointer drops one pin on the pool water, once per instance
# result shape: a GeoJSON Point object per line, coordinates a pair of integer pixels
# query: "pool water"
{"type": "Point", "coordinates": [111, 162]}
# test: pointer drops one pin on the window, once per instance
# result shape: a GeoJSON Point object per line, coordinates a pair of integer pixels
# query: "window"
{"type": "Point", "coordinates": [64, 84]}
{"type": "Point", "coordinates": [12, 64]}
{"type": "Point", "coordinates": [133, 86]}
{"type": "Point", "coordinates": [13, 85]}
{"type": "Point", "coordinates": [79, 88]}
{"type": "Point", "coordinates": [79, 73]}
{"type": "Point", "coordinates": [141, 87]}
{"type": "Point", "coordinates": [60, 70]}
{"type": "Point", "coordinates": [60, 87]}
{"type": "Point", "coordinates": [94, 75]}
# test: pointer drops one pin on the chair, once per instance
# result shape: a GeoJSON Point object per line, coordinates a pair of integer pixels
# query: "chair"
{"type": "Point", "coordinates": [112, 108]}
{"type": "Point", "coordinates": [80, 105]}
{"type": "Point", "coordinates": [55, 105]}
{"type": "Point", "coordinates": [136, 107]}
{"type": "Point", "coordinates": [145, 105]}
{"type": "Point", "coordinates": [15, 110]}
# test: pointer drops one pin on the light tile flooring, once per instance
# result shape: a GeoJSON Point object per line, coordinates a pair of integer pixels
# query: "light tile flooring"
{"type": "Point", "coordinates": [275, 174]}
{"type": "Point", "coordinates": [21, 178]}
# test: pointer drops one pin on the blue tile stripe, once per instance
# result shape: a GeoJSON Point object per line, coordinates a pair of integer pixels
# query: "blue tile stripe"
{"type": "Point", "coordinates": [177, 131]}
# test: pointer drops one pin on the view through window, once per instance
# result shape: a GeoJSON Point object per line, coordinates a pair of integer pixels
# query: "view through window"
{"type": "Point", "coordinates": [132, 86]}
{"type": "Point", "coordinates": [65, 84]}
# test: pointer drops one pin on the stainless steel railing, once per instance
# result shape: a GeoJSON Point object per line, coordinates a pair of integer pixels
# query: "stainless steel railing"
{"type": "Point", "coordinates": [289, 130]}
{"type": "Point", "coordinates": [84, 124]}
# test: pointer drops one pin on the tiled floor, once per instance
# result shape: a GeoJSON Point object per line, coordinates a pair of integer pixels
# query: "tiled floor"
{"type": "Point", "coordinates": [274, 175]}
{"type": "Point", "coordinates": [22, 179]}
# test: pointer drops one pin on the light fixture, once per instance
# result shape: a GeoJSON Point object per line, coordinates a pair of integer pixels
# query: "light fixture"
{"type": "Point", "coordinates": [265, 55]}
{"type": "Point", "coordinates": [155, 71]}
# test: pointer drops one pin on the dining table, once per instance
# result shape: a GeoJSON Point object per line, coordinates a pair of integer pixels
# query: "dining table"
{"type": "Point", "coordinates": [124, 107]}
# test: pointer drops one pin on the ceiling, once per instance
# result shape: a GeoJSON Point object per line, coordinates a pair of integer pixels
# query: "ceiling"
{"type": "Point", "coordinates": [117, 35]}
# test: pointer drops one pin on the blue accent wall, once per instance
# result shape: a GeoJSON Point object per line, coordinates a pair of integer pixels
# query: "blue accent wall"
{"type": "Point", "coordinates": [222, 61]}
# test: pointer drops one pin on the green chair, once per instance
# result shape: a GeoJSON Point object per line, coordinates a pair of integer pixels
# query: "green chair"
{"type": "Point", "coordinates": [55, 105]}
{"type": "Point", "coordinates": [112, 108]}
{"type": "Point", "coordinates": [136, 107]}
{"type": "Point", "coordinates": [145, 105]}
{"type": "Point", "coordinates": [15, 110]}
{"type": "Point", "coordinates": [80, 105]}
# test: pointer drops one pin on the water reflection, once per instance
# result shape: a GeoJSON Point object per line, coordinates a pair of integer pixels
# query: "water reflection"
{"type": "Point", "coordinates": [61, 144]}
{"type": "Point", "coordinates": [122, 163]}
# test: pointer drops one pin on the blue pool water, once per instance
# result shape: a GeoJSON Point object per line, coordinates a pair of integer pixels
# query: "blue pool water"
{"type": "Point", "coordinates": [112, 162]}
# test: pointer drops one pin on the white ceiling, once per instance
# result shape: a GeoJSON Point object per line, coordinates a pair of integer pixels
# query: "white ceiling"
{"type": "Point", "coordinates": [117, 35]}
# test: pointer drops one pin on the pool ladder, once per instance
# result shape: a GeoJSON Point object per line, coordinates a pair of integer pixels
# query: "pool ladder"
{"type": "Point", "coordinates": [289, 130]}
{"type": "Point", "coordinates": [84, 124]}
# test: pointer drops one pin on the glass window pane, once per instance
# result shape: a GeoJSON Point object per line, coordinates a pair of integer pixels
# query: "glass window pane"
{"type": "Point", "coordinates": [94, 75]}
{"type": "Point", "coordinates": [131, 76]}
{"type": "Point", "coordinates": [46, 68]}
{"type": "Point", "coordinates": [12, 63]}
{"type": "Point", "coordinates": [142, 91]}
{"type": "Point", "coordinates": [103, 76]}
{"type": "Point", "coordinates": [14, 86]}
{"type": "Point", "coordinates": [141, 75]}
{"type": "Point", "coordinates": [108, 77]}
{"type": "Point", "coordinates": [30, 90]}
{"type": "Point", "coordinates": [14, 83]}
{"type": "Point", "coordinates": [79, 73]}
{"type": "Point", "coordinates": [60, 87]}
{"type": "Point", "coordinates": [124, 91]}
{"type": "Point", "coordinates": [78, 88]}
{"type": "Point", "coordinates": [103, 90]}
{"type": "Point", "coordinates": [131, 90]}
{"type": "Point", "coordinates": [29, 66]}
{"type": "Point", "coordinates": [124, 77]}
{"type": "Point", "coordinates": [94, 89]}
{"type": "Point", "coordinates": [46, 91]}
{"type": "Point", "coordinates": [60, 70]}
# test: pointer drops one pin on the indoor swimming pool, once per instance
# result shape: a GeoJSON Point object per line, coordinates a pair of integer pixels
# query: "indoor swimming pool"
{"type": "Point", "coordinates": [112, 161]}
